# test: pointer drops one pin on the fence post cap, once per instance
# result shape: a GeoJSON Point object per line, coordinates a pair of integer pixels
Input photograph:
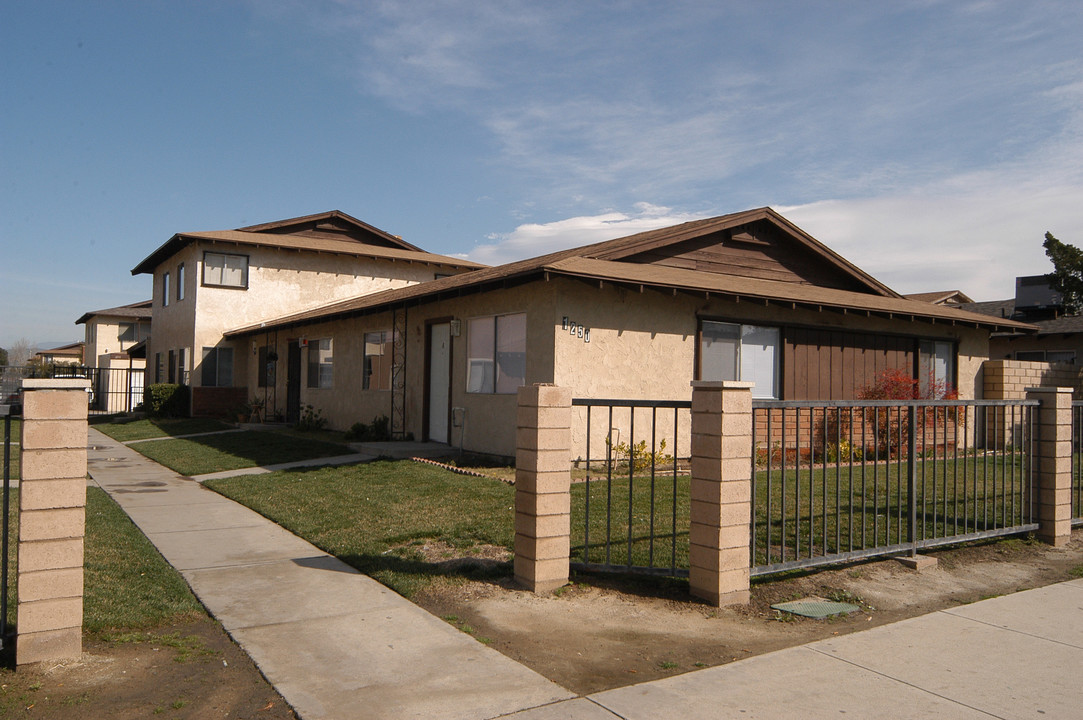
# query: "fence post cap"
{"type": "Point", "coordinates": [56, 384]}
{"type": "Point", "coordinates": [722, 384]}
{"type": "Point", "coordinates": [1049, 389]}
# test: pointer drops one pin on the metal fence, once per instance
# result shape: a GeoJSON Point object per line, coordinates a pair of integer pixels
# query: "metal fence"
{"type": "Point", "coordinates": [112, 390]}
{"type": "Point", "coordinates": [841, 481]}
{"type": "Point", "coordinates": [630, 506]}
{"type": "Point", "coordinates": [10, 470]}
{"type": "Point", "coordinates": [1077, 463]}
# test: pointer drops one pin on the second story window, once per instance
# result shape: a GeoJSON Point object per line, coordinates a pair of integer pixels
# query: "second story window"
{"type": "Point", "coordinates": [180, 281]}
{"type": "Point", "coordinates": [165, 290]}
{"type": "Point", "coordinates": [222, 270]}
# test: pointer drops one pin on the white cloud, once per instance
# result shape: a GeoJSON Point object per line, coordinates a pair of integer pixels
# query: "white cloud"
{"type": "Point", "coordinates": [533, 239]}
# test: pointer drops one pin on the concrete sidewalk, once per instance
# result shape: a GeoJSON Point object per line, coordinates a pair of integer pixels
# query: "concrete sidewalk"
{"type": "Point", "coordinates": [337, 644]}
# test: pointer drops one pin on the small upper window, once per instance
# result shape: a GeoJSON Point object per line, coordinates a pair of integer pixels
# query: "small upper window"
{"type": "Point", "coordinates": [320, 363]}
{"type": "Point", "coordinates": [225, 270]}
{"type": "Point", "coordinates": [165, 289]}
{"type": "Point", "coordinates": [180, 281]}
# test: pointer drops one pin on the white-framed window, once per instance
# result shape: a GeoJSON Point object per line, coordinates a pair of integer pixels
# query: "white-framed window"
{"type": "Point", "coordinates": [376, 370]}
{"type": "Point", "coordinates": [731, 351]}
{"type": "Point", "coordinates": [321, 363]}
{"type": "Point", "coordinates": [936, 368]}
{"type": "Point", "coordinates": [225, 270]}
{"type": "Point", "coordinates": [496, 354]}
{"type": "Point", "coordinates": [165, 289]}
{"type": "Point", "coordinates": [180, 282]}
{"type": "Point", "coordinates": [217, 367]}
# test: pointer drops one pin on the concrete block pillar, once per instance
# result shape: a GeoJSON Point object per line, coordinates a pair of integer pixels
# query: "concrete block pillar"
{"type": "Point", "coordinates": [52, 501]}
{"type": "Point", "coordinates": [543, 487]}
{"type": "Point", "coordinates": [1054, 482]}
{"type": "Point", "coordinates": [721, 492]}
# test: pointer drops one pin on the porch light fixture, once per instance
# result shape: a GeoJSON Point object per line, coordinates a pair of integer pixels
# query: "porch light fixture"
{"type": "Point", "coordinates": [456, 328]}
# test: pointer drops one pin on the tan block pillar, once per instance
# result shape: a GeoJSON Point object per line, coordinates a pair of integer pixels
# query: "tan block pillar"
{"type": "Point", "coordinates": [52, 500]}
{"type": "Point", "coordinates": [1054, 481]}
{"type": "Point", "coordinates": [721, 492]}
{"type": "Point", "coordinates": [543, 487]}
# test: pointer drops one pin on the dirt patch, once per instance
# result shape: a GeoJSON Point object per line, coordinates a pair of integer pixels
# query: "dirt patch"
{"type": "Point", "coordinates": [604, 632]}
{"type": "Point", "coordinates": [186, 671]}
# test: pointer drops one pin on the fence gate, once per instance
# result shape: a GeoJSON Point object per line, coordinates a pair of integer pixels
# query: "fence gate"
{"type": "Point", "coordinates": [630, 506]}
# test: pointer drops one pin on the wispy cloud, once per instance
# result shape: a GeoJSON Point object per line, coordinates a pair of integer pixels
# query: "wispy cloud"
{"type": "Point", "coordinates": [532, 239]}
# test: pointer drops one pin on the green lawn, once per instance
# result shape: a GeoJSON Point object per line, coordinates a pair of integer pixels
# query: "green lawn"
{"type": "Point", "coordinates": [127, 584]}
{"type": "Point", "coordinates": [160, 427]}
{"type": "Point", "coordinates": [229, 451]}
{"type": "Point", "coordinates": [376, 515]}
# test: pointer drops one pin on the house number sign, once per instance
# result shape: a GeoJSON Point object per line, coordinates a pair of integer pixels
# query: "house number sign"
{"type": "Point", "coordinates": [576, 330]}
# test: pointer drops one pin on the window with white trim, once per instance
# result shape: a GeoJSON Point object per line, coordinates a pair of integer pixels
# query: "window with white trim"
{"type": "Point", "coordinates": [730, 351]}
{"type": "Point", "coordinates": [496, 354]}
{"type": "Point", "coordinates": [224, 270]}
{"type": "Point", "coordinates": [180, 281]}
{"type": "Point", "coordinates": [165, 289]}
{"type": "Point", "coordinates": [320, 363]}
{"type": "Point", "coordinates": [376, 368]}
{"type": "Point", "coordinates": [936, 368]}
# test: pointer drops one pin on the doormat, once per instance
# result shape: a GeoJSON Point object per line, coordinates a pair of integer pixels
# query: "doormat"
{"type": "Point", "coordinates": [814, 607]}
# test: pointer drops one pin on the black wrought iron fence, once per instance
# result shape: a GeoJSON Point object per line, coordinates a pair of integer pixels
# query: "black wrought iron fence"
{"type": "Point", "coordinates": [842, 481]}
{"type": "Point", "coordinates": [630, 504]}
{"type": "Point", "coordinates": [1077, 463]}
{"type": "Point", "coordinates": [9, 414]}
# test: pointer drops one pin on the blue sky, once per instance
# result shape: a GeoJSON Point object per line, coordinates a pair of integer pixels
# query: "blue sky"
{"type": "Point", "coordinates": [931, 143]}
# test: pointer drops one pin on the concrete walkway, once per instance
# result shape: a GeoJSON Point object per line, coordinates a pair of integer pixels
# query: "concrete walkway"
{"type": "Point", "coordinates": [338, 645]}
{"type": "Point", "coordinates": [335, 643]}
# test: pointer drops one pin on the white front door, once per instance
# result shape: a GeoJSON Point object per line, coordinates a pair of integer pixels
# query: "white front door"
{"type": "Point", "coordinates": [439, 381]}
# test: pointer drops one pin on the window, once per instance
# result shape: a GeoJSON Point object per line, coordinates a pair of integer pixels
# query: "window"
{"type": "Point", "coordinates": [172, 367]}
{"type": "Point", "coordinates": [165, 290]}
{"type": "Point", "coordinates": [157, 367]}
{"type": "Point", "coordinates": [496, 351]}
{"type": "Point", "coordinates": [1053, 356]}
{"type": "Point", "coordinates": [217, 367]}
{"type": "Point", "coordinates": [180, 281]}
{"type": "Point", "coordinates": [182, 366]}
{"type": "Point", "coordinates": [225, 270]}
{"type": "Point", "coordinates": [376, 371]}
{"type": "Point", "coordinates": [936, 368]}
{"type": "Point", "coordinates": [320, 363]}
{"type": "Point", "coordinates": [728, 351]}
{"type": "Point", "coordinates": [265, 373]}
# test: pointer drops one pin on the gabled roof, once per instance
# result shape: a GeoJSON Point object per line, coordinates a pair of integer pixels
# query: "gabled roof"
{"type": "Point", "coordinates": [138, 311]}
{"type": "Point", "coordinates": [608, 261]}
{"type": "Point", "coordinates": [941, 297]}
{"type": "Point", "coordinates": [330, 232]}
{"type": "Point", "coordinates": [74, 349]}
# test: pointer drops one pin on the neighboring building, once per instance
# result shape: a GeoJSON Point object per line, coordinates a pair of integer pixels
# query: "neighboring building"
{"type": "Point", "coordinates": [71, 354]}
{"type": "Point", "coordinates": [1059, 338]}
{"type": "Point", "coordinates": [208, 282]}
{"type": "Point", "coordinates": [747, 296]}
{"type": "Point", "coordinates": [943, 297]}
{"type": "Point", "coordinates": [110, 333]}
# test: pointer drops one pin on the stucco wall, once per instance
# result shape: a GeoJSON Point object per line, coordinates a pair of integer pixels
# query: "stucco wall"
{"type": "Point", "coordinates": [280, 282]}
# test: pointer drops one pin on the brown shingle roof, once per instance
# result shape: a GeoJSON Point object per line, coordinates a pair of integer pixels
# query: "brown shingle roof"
{"type": "Point", "coordinates": [940, 296]}
{"type": "Point", "coordinates": [139, 311]}
{"type": "Point", "coordinates": [273, 235]}
{"type": "Point", "coordinates": [595, 262]}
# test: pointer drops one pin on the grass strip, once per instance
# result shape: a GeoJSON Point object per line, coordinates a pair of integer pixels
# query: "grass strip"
{"type": "Point", "coordinates": [159, 427]}
{"type": "Point", "coordinates": [250, 448]}
{"type": "Point", "coordinates": [127, 585]}
{"type": "Point", "coordinates": [377, 516]}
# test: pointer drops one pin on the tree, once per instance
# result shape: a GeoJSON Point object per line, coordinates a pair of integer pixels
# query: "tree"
{"type": "Point", "coordinates": [1067, 275]}
{"type": "Point", "coordinates": [20, 353]}
{"type": "Point", "coordinates": [3, 357]}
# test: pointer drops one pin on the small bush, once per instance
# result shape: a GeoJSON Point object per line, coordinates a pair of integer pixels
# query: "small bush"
{"type": "Point", "coordinates": [311, 419]}
{"type": "Point", "coordinates": [379, 430]}
{"type": "Point", "coordinates": [166, 400]}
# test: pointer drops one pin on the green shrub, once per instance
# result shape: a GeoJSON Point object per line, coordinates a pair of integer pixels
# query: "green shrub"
{"type": "Point", "coordinates": [166, 400]}
{"type": "Point", "coordinates": [311, 419]}
{"type": "Point", "coordinates": [379, 430]}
